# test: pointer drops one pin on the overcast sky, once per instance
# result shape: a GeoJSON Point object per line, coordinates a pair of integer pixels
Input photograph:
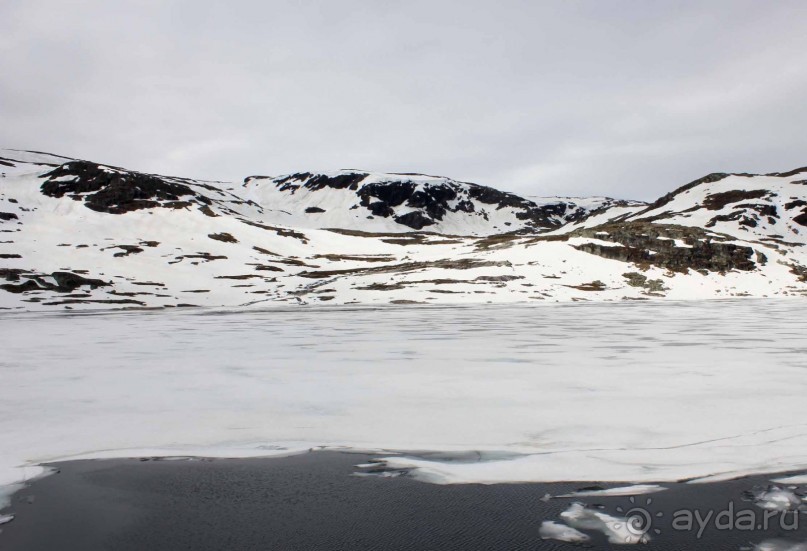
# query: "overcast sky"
{"type": "Point", "coordinates": [603, 97]}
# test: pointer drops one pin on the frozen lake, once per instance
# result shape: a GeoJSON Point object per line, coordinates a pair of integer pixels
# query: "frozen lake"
{"type": "Point", "coordinates": [634, 392]}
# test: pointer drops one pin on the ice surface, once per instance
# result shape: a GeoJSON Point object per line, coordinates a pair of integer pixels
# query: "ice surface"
{"type": "Point", "coordinates": [780, 545]}
{"type": "Point", "coordinates": [775, 498]}
{"type": "Point", "coordinates": [635, 490]}
{"type": "Point", "coordinates": [630, 392]}
{"type": "Point", "coordinates": [554, 531]}
{"type": "Point", "coordinates": [795, 479]}
{"type": "Point", "coordinates": [12, 480]}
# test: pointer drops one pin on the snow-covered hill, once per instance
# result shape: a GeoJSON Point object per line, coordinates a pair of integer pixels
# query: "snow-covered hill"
{"type": "Point", "coordinates": [405, 202]}
{"type": "Point", "coordinates": [77, 234]}
{"type": "Point", "coordinates": [769, 207]}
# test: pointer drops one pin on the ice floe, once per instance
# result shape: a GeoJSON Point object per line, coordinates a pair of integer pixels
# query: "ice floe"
{"type": "Point", "coordinates": [618, 530]}
{"type": "Point", "coordinates": [780, 545]}
{"type": "Point", "coordinates": [774, 498]}
{"type": "Point", "coordinates": [551, 530]}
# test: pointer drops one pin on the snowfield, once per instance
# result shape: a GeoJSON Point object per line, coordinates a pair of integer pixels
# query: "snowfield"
{"type": "Point", "coordinates": [630, 392]}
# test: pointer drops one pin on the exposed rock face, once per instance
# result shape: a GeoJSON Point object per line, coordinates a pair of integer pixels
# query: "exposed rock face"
{"type": "Point", "coordinates": [126, 250]}
{"type": "Point", "coordinates": [717, 201]}
{"type": "Point", "coordinates": [415, 220]}
{"type": "Point", "coordinates": [596, 285]}
{"type": "Point", "coordinates": [747, 215]}
{"type": "Point", "coordinates": [64, 282]}
{"type": "Point", "coordinates": [800, 271]}
{"type": "Point", "coordinates": [800, 219]}
{"type": "Point", "coordinates": [789, 173]}
{"type": "Point", "coordinates": [68, 281]}
{"type": "Point", "coordinates": [115, 191]}
{"type": "Point", "coordinates": [316, 182]}
{"type": "Point", "coordinates": [434, 201]}
{"type": "Point", "coordinates": [655, 245]}
{"type": "Point", "coordinates": [654, 287]}
{"type": "Point", "coordinates": [223, 237]}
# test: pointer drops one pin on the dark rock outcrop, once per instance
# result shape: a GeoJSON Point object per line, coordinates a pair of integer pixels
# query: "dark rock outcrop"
{"type": "Point", "coordinates": [717, 201]}
{"type": "Point", "coordinates": [64, 282]}
{"type": "Point", "coordinates": [117, 191]}
{"type": "Point", "coordinates": [654, 245]}
{"type": "Point", "coordinates": [68, 281]}
{"type": "Point", "coordinates": [415, 220]}
{"type": "Point", "coordinates": [318, 181]}
{"type": "Point", "coordinates": [223, 237]}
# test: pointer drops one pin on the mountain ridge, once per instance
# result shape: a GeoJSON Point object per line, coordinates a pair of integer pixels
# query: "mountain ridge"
{"type": "Point", "coordinates": [79, 234]}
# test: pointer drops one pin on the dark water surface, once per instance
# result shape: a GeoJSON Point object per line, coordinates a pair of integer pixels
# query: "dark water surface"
{"type": "Point", "coordinates": [313, 502]}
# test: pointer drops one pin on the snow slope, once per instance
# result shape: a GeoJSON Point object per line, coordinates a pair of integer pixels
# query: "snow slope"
{"type": "Point", "coordinates": [771, 207]}
{"type": "Point", "coordinates": [75, 234]}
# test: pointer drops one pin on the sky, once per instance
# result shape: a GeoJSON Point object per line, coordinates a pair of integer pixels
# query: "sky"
{"type": "Point", "coordinates": [602, 97]}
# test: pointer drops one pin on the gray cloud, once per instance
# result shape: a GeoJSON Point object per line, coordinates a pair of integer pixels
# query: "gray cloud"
{"type": "Point", "coordinates": [623, 98]}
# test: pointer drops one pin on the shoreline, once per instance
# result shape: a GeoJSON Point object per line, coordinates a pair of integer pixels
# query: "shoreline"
{"type": "Point", "coordinates": [314, 500]}
{"type": "Point", "coordinates": [288, 307]}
